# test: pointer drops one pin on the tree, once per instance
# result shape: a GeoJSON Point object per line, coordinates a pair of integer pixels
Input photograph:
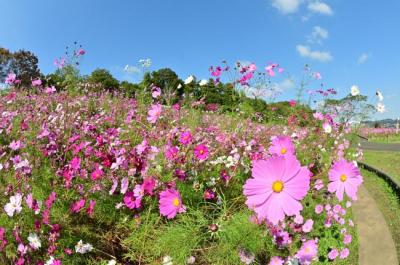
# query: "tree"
{"type": "Point", "coordinates": [5, 63]}
{"type": "Point", "coordinates": [129, 89]}
{"type": "Point", "coordinates": [25, 65]}
{"type": "Point", "coordinates": [350, 108]}
{"type": "Point", "coordinates": [164, 78]}
{"type": "Point", "coordinates": [104, 79]}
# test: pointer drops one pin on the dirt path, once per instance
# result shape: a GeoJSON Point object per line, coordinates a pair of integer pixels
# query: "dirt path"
{"type": "Point", "coordinates": [376, 245]}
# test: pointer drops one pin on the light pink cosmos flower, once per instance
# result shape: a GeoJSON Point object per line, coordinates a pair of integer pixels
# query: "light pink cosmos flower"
{"type": "Point", "coordinates": [15, 145]}
{"type": "Point", "coordinates": [345, 178]}
{"type": "Point", "coordinates": [156, 92]}
{"type": "Point", "coordinates": [347, 239]}
{"type": "Point", "coordinates": [11, 79]}
{"type": "Point", "coordinates": [319, 209]}
{"type": "Point", "coordinates": [308, 252]}
{"type": "Point", "coordinates": [201, 152]}
{"type": "Point", "coordinates": [170, 203]}
{"type": "Point", "coordinates": [282, 146]}
{"type": "Point", "coordinates": [276, 261]}
{"type": "Point", "coordinates": [36, 82]}
{"type": "Point", "coordinates": [344, 253]}
{"type": "Point", "coordinates": [14, 206]}
{"type": "Point", "coordinates": [333, 254]}
{"type": "Point", "coordinates": [154, 113]}
{"type": "Point", "coordinates": [308, 226]}
{"type": "Point", "coordinates": [276, 187]}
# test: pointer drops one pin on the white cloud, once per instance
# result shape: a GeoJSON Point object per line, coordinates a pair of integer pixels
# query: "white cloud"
{"type": "Point", "coordinates": [320, 7]}
{"type": "Point", "coordinates": [286, 6]}
{"type": "Point", "coordinates": [318, 35]}
{"type": "Point", "coordinates": [322, 56]}
{"type": "Point", "coordinates": [286, 84]}
{"type": "Point", "coordinates": [363, 58]}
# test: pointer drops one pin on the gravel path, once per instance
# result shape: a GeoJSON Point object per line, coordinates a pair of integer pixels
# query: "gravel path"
{"type": "Point", "coordinates": [379, 146]}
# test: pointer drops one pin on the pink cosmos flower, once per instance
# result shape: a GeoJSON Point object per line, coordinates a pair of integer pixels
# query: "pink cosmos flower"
{"type": "Point", "coordinates": [154, 113]}
{"type": "Point", "coordinates": [333, 254]}
{"type": "Point", "coordinates": [307, 252]}
{"type": "Point", "coordinates": [201, 152]}
{"type": "Point", "coordinates": [77, 206]}
{"type": "Point", "coordinates": [50, 90]}
{"type": "Point", "coordinates": [319, 209]}
{"type": "Point", "coordinates": [292, 102]}
{"type": "Point", "coordinates": [185, 138]}
{"type": "Point", "coordinates": [148, 185]}
{"type": "Point", "coordinates": [319, 184]}
{"type": "Point", "coordinates": [276, 261]}
{"type": "Point", "coordinates": [276, 187]}
{"type": "Point", "coordinates": [347, 239]}
{"type": "Point", "coordinates": [282, 146]}
{"type": "Point", "coordinates": [14, 206]}
{"type": "Point", "coordinates": [171, 153]}
{"type": "Point", "coordinates": [81, 52]}
{"type": "Point", "coordinates": [131, 201]}
{"type": "Point", "coordinates": [345, 178]}
{"type": "Point", "coordinates": [90, 209]}
{"type": "Point", "coordinates": [170, 203]}
{"type": "Point", "coordinates": [3, 240]}
{"type": "Point", "coordinates": [36, 82]}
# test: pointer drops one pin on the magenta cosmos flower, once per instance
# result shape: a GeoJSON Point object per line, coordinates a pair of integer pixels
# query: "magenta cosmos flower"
{"type": "Point", "coordinates": [185, 138]}
{"type": "Point", "coordinates": [276, 187]}
{"type": "Point", "coordinates": [201, 152]}
{"type": "Point", "coordinates": [345, 178]}
{"type": "Point", "coordinates": [170, 203]}
{"type": "Point", "coordinates": [282, 145]}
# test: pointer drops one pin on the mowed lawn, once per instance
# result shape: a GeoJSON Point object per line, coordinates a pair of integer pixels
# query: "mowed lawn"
{"type": "Point", "coordinates": [385, 139]}
{"type": "Point", "coordinates": [388, 162]}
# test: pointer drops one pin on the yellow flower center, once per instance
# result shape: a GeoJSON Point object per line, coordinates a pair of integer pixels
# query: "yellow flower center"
{"type": "Point", "coordinates": [277, 186]}
{"type": "Point", "coordinates": [343, 178]}
{"type": "Point", "coordinates": [175, 202]}
{"type": "Point", "coordinates": [283, 151]}
{"type": "Point", "coordinates": [307, 250]}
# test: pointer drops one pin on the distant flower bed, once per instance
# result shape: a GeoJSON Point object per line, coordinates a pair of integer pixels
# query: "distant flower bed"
{"type": "Point", "coordinates": [98, 179]}
{"type": "Point", "coordinates": [378, 132]}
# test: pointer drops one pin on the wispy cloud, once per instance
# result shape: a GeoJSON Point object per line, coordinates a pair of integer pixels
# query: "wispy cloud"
{"type": "Point", "coordinates": [307, 52]}
{"type": "Point", "coordinates": [318, 35]}
{"type": "Point", "coordinates": [292, 6]}
{"type": "Point", "coordinates": [363, 58]}
{"type": "Point", "coordinates": [287, 6]}
{"type": "Point", "coordinates": [320, 8]}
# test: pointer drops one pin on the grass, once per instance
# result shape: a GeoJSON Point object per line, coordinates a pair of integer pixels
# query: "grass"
{"type": "Point", "coordinates": [388, 202]}
{"type": "Point", "coordinates": [388, 162]}
{"type": "Point", "coordinates": [385, 139]}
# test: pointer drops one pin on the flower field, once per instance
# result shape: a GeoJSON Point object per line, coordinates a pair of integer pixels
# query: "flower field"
{"type": "Point", "coordinates": [101, 178]}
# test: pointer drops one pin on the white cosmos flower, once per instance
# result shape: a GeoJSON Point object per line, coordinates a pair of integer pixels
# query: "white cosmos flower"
{"type": "Point", "coordinates": [327, 127]}
{"type": "Point", "coordinates": [379, 95]}
{"type": "Point", "coordinates": [14, 205]}
{"type": "Point", "coordinates": [354, 90]}
{"type": "Point", "coordinates": [203, 82]}
{"type": "Point", "coordinates": [380, 107]}
{"type": "Point", "coordinates": [50, 261]}
{"type": "Point", "coordinates": [167, 260]}
{"type": "Point", "coordinates": [83, 248]}
{"type": "Point", "coordinates": [34, 241]}
{"type": "Point", "coordinates": [112, 262]}
{"type": "Point", "coordinates": [189, 79]}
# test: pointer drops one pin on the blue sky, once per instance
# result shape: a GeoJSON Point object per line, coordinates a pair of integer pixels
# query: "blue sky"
{"type": "Point", "coordinates": [349, 42]}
